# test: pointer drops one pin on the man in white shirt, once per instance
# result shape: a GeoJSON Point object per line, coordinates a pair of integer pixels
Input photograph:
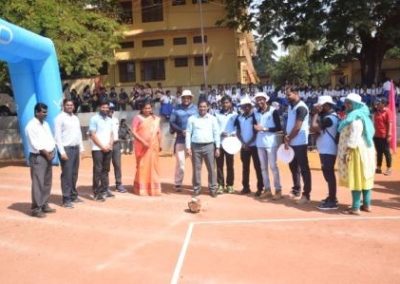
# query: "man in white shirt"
{"type": "Point", "coordinates": [42, 150]}
{"type": "Point", "coordinates": [101, 134]}
{"type": "Point", "coordinates": [68, 137]}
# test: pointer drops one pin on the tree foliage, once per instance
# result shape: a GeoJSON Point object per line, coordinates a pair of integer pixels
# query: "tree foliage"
{"type": "Point", "coordinates": [84, 32]}
{"type": "Point", "coordinates": [345, 29]}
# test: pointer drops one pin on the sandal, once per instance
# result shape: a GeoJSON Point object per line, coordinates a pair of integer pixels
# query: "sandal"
{"type": "Point", "coordinates": [352, 211]}
{"type": "Point", "coordinates": [365, 208]}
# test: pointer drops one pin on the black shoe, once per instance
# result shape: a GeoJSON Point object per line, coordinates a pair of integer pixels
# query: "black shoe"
{"type": "Point", "coordinates": [47, 209]}
{"type": "Point", "coordinates": [258, 193]}
{"type": "Point", "coordinates": [378, 171]}
{"type": "Point", "coordinates": [178, 188]}
{"type": "Point", "coordinates": [38, 214]}
{"type": "Point", "coordinates": [77, 200]}
{"type": "Point", "coordinates": [213, 193]}
{"type": "Point", "coordinates": [245, 191]}
{"type": "Point", "coordinates": [68, 205]}
{"type": "Point", "coordinates": [108, 194]}
{"type": "Point", "coordinates": [99, 198]}
{"type": "Point", "coordinates": [329, 205]}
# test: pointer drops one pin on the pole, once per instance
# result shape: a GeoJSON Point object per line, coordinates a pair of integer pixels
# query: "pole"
{"type": "Point", "coordinates": [203, 44]}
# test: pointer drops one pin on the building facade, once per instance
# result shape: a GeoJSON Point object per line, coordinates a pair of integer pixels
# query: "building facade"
{"type": "Point", "coordinates": [163, 43]}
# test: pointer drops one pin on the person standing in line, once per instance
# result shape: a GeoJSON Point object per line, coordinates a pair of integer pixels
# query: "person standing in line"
{"type": "Point", "coordinates": [125, 136]}
{"type": "Point", "coordinates": [297, 130]}
{"type": "Point", "coordinates": [268, 124]}
{"type": "Point", "coordinates": [68, 136]}
{"type": "Point", "coordinates": [203, 143]}
{"type": "Point", "coordinates": [178, 123]}
{"type": "Point", "coordinates": [42, 147]}
{"type": "Point", "coordinates": [116, 152]}
{"type": "Point", "coordinates": [101, 134]}
{"type": "Point", "coordinates": [146, 130]}
{"type": "Point", "coordinates": [383, 124]}
{"type": "Point", "coordinates": [356, 153]}
{"type": "Point", "coordinates": [226, 117]}
{"type": "Point", "coordinates": [247, 135]}
{"type": "Point", "coordinates": [325, 123]}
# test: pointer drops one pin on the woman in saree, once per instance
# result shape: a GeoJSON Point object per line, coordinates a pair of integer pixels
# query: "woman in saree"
{"type": "Point", "coordinates": [146, 130]}
{"type": "Point", "coordinates": [356, 153]}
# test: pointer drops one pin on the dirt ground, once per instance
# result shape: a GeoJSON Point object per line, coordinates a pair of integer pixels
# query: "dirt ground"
{"type": "Point", "coordinates": [234, 239]}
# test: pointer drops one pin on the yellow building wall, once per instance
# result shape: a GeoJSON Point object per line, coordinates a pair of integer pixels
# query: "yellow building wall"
{"type": "Point", "coordinates": [225, 61]}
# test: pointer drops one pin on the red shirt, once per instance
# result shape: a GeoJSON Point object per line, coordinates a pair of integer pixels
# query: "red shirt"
{"type": "Point", "coordinates": [381, 122]}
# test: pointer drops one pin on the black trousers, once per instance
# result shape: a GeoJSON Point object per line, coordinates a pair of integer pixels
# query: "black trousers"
{"type": "Point", "coordinates": [328, 170]}
{"type": "Point", "coordinates": [116, 162]}
{"type": "Point", "coordinates": [245, 156]}
{"type": "Point", "coordinates": [41, 175]}
{"type": "Point", "coordinates": [69, 173]}
{"type": "Point", "coordinates": [299, 166]}
{"type": "Point", "coordinates": [101, 168]}
{"type": "Point", "coordinates": [382, 148]}
{"type": "Point", "coordinates": [230, 175]}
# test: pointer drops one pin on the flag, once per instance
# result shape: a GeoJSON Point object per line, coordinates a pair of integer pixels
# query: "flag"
{"type": "Point", "coordinates": [392, 108]}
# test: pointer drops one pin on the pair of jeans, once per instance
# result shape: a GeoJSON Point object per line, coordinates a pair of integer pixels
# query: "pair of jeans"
{"type": "Point", "coordinates": [116, 162]}
{"type": "Point", "coordinates": [382, 148]}
{"type": "Point", "coordinates": [246, 154]}
{"type": "Point", "coordinates": [299, 167]}
{"type": "Point", "coordinates": [328, 170]}
{"type": "Point", "coordinates": [267, 158]}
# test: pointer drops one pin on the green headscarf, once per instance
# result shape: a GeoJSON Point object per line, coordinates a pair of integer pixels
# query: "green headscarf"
{"type": "Point", "coordinates": [360, 111]}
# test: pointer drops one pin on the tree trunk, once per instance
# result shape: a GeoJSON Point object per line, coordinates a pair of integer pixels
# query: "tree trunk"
{"type": "Point", "coordinates": [371, 58]}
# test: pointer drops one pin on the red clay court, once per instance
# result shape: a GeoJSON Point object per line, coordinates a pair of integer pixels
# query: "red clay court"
{"type": "Point", "coordinates": [234, 239]}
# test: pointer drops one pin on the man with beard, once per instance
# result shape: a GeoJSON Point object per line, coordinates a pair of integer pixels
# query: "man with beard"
{"type": "Point", "coordinates": [101, 134]}
{"type": "Point", "coordinates": [68, 137]}
{"type": "Point", "coordinates": [297, 130]}
{"type": "Point", "coordinates": [325, 123]}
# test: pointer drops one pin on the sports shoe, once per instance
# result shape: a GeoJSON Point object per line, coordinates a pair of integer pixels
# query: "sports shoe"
{"type": "Point", "coordinates": [120, 188]}
{"type": "Point", "coordinates": [108, 194]}
{"type": "Point", "coordinates": [213, 193]}
{"type": "Point", "coordinates": [68, 205]}
{"type": "Point", "coordinates": [99, 198]}
{"type": "Point", "coordinates": [278, 195]}
{"type": "Point", "coordinates": [229, 189]}
{"type": "Point", "coordinates": [303, 200]}
{"type": "Point", "coordinates": [294, 195]}
{"type": "Point", "coordinates": [258, 193]}
{"type": "Point", "coordinates": [47, 209]}
{"type": "Point", "coordinates": [388, 172]}
{"type": "Point", "coordinates": [327, 200]}
{"type": "Point", "coordinates": [77, 200]}
{"type": "Point", "coordinates": [220, 189]}
{"type": "Point", "coordinates": [329, 205]}
{"type": "Point", "coordinates": [266, 194]}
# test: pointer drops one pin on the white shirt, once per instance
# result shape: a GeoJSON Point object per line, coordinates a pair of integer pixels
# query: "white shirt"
{"type": "Point", "coordinates": [386, 86]}
{"type": "Point", "coordinates": [39, 136]}
{"type": "Point", "coordinates": [67, 132]}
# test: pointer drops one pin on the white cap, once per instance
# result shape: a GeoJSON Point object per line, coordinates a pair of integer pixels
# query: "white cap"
{"type": "Point", "coordinates": [187, 93]}
{"type": "Point", "coordinates": [354, 98]}
{"type": "Point", "coordinates": [245, 101]}
{"type": "Point", "coordinates": [324, 100]}
{"type": "Point", "coordinates": [261, 95]}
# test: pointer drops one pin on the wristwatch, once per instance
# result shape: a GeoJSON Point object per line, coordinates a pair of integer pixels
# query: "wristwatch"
{"type": "Point", "coordinates": [265, 129]}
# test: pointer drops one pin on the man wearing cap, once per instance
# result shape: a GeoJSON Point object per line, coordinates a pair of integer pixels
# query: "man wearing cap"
{"type": "Point", "coordinates": [101, 134]}
{"type": "Point", "coordinates": [178, 124]}
{"type": "Point", "coordinates": [247, 135]}
{"type": "Point", "coordinates": [68, 137]}
{"type": "Point", "coordinates": [383, 124]}
{"type": "Point", "coordinates": [297, 130]}
{"type": "Point", "coordinates": [325, 123]}
{"type": "Point", "coordinates": [225, 118]}
{"type": "Point", "coordinates": [268, 124]}
{"type": "Point", "coordinates": [116, 153]}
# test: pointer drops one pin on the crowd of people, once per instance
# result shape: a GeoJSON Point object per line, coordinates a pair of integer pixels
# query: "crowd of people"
{"type": "Point", "coordinates": [255, 119]}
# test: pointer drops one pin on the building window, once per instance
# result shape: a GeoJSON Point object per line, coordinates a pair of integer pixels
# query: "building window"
{"type": "Point", "coordinates": [181, 62]}
{"type": "Point", "coordinates": [126, 71]}
{"type": "Point", "coordinates": [179, 40]}
{"type": "Point", "coordinates": [197, 39]}
{"type": "Point", "coordinates": [126, 12]}
{"type": "Point", "coordinates": [153, 42]}
{"type": "Point", "coordinates": [152, 11]}
{"type": "Point", "coordinates": [152, 70]}
{"type": "Point", "coordinates": [127, 44]}
{"type": "Point", "coordinates": [178, 2]}
{"type": "Point", "coordinates": [198, 60]}
{"type": "Point", "coordinates": [202, 1]}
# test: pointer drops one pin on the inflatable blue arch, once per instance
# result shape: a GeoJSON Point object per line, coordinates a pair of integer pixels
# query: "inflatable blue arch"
{"type": "Point", "coordinates": [34, 73]}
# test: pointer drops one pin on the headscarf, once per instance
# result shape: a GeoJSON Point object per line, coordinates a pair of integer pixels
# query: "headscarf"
{"type": "Point", "coordinates": [360, 111]}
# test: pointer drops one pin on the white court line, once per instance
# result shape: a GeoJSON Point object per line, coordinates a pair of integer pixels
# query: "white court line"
{"type": "Point", "coordinates": [189, 231]}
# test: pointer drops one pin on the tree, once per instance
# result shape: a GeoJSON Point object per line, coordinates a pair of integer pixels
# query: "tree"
{"type": "Point", "coordinates": [84, 35]}
{"type": "Point", "coordinates": [265, 56]}
{"type": "Point", "coordinates": [345, 29]}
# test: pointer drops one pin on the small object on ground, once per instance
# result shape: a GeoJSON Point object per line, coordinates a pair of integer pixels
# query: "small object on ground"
{"type": "Point", "coordinates": [194, 205]}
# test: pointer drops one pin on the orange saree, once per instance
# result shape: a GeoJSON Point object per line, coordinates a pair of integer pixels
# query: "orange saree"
{"type": "Point", "coordinates": [147, 180]}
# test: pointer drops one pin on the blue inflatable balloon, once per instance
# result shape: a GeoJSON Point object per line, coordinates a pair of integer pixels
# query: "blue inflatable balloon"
{"type": "Point", "coordinates": [34, 73]}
